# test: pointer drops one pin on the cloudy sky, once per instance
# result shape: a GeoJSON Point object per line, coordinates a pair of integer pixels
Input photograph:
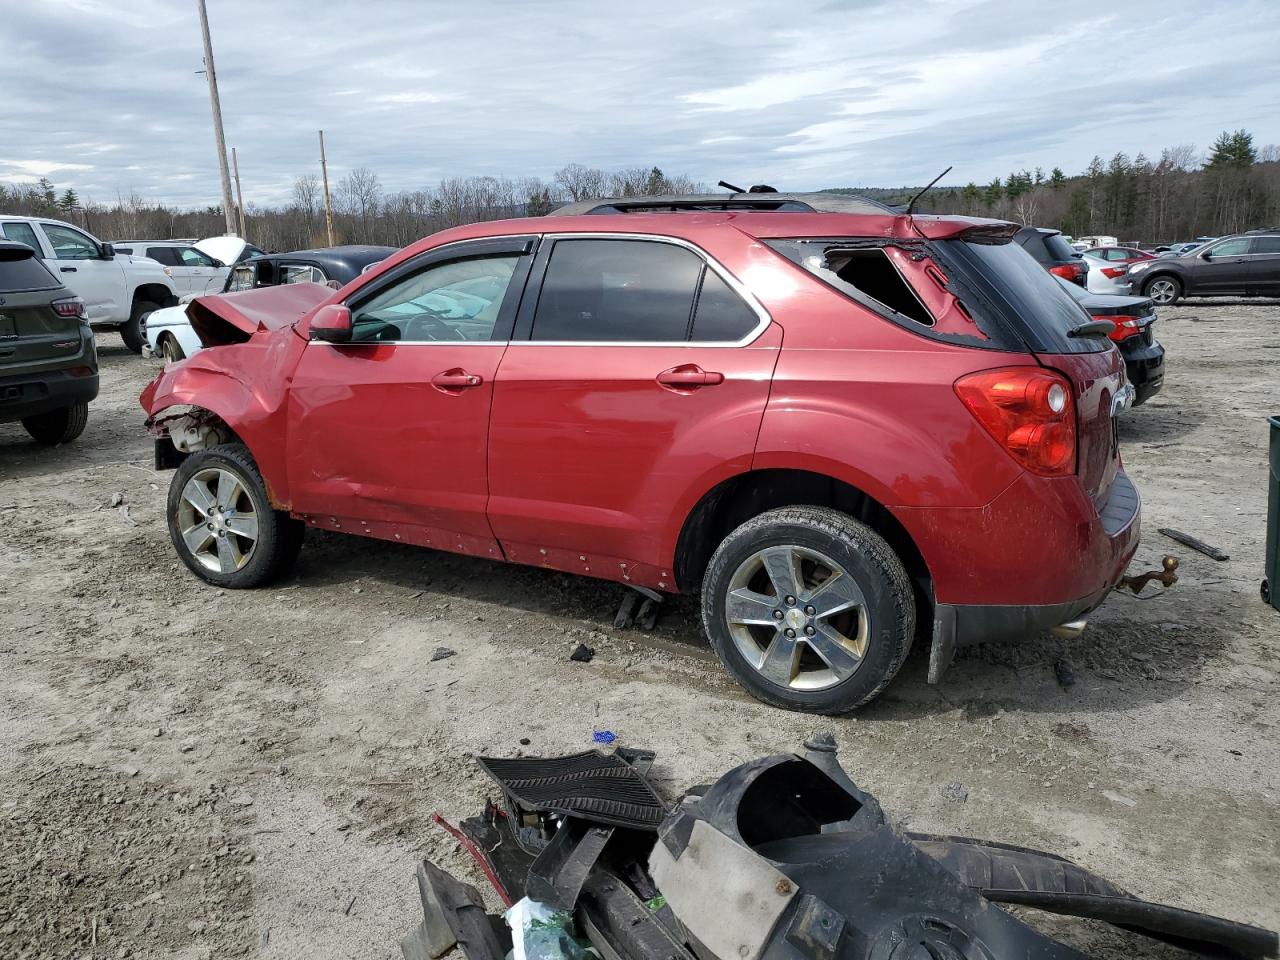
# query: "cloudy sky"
{"type": "Point", "coordinates": [104, 96]}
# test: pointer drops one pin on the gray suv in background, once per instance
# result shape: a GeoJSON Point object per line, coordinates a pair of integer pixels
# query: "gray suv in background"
{"type": "Point", "coordinates": [1244, 265]}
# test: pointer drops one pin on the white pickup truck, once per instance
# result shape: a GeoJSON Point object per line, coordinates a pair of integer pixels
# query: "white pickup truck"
{"type": "Point", "coordinates": [118, 291]}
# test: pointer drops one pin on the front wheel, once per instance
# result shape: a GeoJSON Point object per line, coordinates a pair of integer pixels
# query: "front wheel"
{"type": "Point", "coordinates": [57, 426]}
{"type": "Point", "coordinates": [1163, 291]}
{"type": "Point", "coordinates": [809, 609]}
{"type": "Point", "coordinates": [170, 350]}
{"type": "Point", "coordinates": [222, 523]}
{"type": "Point", "coordinates": [134, 332]}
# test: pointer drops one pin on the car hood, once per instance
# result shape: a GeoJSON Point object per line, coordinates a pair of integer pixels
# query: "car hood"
{"type": "Point", "coordinates": [235, 317]}
{"type": "Point", "coordinates": [226, 249]}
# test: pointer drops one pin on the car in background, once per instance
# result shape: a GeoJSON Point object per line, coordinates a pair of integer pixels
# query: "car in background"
{"type": "Point", "coordinates": [119, 292]}
{"type": "Point", "coordinates": [1132, 321]}
{"type": "Point", "coordinates": [1053, 253]}
{"type": "Point", "coordinates": [1109, 267]}
{"type": "Point", "coordinates": [1245, 265]}
{"type": "Point", "coordinates": [169, 332]}
{"type": "Point", "coordinates": [194, 272]}
{"type": "Point", "coordinates": [48, 359]}
{"type": "Point", "coordinates": [820, 414]}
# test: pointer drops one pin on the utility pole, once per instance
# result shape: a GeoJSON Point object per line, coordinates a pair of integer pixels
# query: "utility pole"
{"type": "Point", "coordinates": [217, 120]}
{"type": "Point", "coordinates": [235, 163]}
{"type": "Point", "coordinates": [324, 174]}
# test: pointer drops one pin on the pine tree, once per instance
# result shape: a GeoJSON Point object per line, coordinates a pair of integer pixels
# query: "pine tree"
{"type": "Point", "coordinates": [994, 192]}
{"type": "Point", "coordinates": [69, 202]}
{"type": "Point", "coordinates": [656, 185]}
{"type": "Point", "coordinates": [1057, 178]}
{"type": "Point", "coordinates": [1232, 151]}
{"type": "Point", "coordinates": [46, 193]}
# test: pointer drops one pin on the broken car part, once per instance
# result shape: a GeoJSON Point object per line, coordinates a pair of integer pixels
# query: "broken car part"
{"type": "Point", "coordinates": [1187, 540]}
{"type": "Point", "coordinates": [784, 858]}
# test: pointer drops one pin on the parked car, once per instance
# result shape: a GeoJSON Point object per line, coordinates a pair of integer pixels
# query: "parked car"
{"type": "Point", "coordinates": [1133, 321]}
{"type": "Point", "coordinates": [1246, 265]}
{"type": "Point", "coordinates": [169, 332]}
{"type": "Point", "coordinates": [194, 272]}
{"type": "Point", "coordinates": [608, 392]}
{"type": "Point", "coordinates": [1110, 266]}
{"type": "Point", "coordinates": [48, 360]}
{"type": "Point", "coordinates": [118, 291]}
{"type": "Point", "coordinates": [1053, 253]}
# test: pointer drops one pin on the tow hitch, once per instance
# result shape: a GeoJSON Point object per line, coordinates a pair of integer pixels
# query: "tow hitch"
{"type": "Point", "coordinates": [1167, 575]}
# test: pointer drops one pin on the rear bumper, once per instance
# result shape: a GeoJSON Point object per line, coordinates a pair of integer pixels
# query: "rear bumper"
{"type": "Point", "coordinates": [1144, 367]}
{"type": "Point", "coordinates": [1038, 556]}
{"type": "Point", "coordinates": [32, 394]}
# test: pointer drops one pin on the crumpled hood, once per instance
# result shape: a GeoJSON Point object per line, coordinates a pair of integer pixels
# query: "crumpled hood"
{"type": "Point", "coordinates": [235, 317]}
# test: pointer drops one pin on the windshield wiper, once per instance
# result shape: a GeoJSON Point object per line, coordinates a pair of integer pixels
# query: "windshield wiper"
{"type": "Point", "coordinates": [1094, 328]}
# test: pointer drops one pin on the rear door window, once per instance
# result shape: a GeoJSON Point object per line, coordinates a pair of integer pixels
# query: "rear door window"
{"type": "Point", "coordinates": [721, 315]}
{"type": "Point", "coordinates": [1266, 245]}
{"type": "Point", "coordinates": [22, 233]}
{"type": "Point", "coordinates": [610, 290]}
{"type": "Point", "coordinates": [165, 255]}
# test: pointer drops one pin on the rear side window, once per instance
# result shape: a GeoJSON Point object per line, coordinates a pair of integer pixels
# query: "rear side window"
{"type": "Point", "coordinates": [19, 270]}
{"type": "Point", "coordinates": [871, 272]}
{"type": "Point", "coordinates": [721, 315]}
{"type": "Point", "coordinates": [165, 255]}
{"type": "Point", "coordinates": [22, 233]}
{"type": "Point", "coordinates": [1266, 245]}
{"type": "Point", "coordinates": [617, 290]}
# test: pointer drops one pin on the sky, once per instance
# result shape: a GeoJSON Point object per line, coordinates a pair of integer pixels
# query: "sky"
{"type": "Point", "coordinates": [105, 97]}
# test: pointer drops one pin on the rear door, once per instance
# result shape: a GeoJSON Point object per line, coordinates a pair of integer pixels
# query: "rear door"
{"type": "Point", "coordinates": [639, 372]}
{"type": "Point", "coordinates": [76, 258]}
{"type": "Point", "coordinates": [1264, 266]}
{"type": "Point", "coordinates": [1222, 268]}
{"type": "Point", "coordinates": [388, 433]}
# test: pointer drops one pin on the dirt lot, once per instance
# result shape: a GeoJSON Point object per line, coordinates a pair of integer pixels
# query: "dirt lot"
{"type": "Point", "coordinates": [187, 772]}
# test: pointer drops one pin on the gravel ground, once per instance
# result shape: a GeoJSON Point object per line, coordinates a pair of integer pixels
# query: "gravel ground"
{"type": "Point", "coordinates": [187, 772]}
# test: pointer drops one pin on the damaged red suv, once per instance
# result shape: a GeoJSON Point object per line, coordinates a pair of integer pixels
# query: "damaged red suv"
{"type": "Point", "coordinates": [831, 419]}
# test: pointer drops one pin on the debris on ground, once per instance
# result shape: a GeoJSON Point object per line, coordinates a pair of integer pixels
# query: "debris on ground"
{"type": "Point", "coordinates": [773, 861]}
{"type": "Point", "coordinates": [582, 654]}
{"type": "Point", "coordinates": [955, 792]}
{"type": "Point", "coordinates": [604, 736]}
{"type": "Point", "coordinates": [1198, 545]}
{"type": "Point", "coordinates": [1120, 799]}
{"type": "Point", "coordinates": [1065, 673]}
{"type": "Point", "coordinates": [442, 653]}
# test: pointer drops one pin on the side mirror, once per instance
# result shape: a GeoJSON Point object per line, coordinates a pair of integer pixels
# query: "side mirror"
{"type": "Point", "coordinates": [332, 324]}
{"type": "Point", "coordinates": [108, 252]}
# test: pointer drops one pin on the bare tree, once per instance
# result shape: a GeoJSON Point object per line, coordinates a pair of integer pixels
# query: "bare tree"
{"type": "Point", "coordinates": [582, 183]}
{"type": "Point", "coordinates": [359, 194]}
{"type": "Point", "coordinates": [306, 195]}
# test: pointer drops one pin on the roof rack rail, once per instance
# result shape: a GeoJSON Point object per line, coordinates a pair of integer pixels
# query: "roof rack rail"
{"type": "Point", "coordinates": [753, 202]}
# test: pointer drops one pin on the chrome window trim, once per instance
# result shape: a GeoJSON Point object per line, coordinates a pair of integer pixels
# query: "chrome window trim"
{"type": "Point", "coordinates": [737, 287]}
{"type": "Point", "coordinates": [413, 343]}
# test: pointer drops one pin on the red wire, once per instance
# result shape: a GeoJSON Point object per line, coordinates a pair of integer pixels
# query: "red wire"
{"type": "Point", "coordinates": [479, 855]}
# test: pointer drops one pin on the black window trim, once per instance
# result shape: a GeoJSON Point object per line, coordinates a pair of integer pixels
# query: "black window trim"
{"type": "Point", "coordinates": [521, 246]}
{"type": "Point", "coordinates": [523, 335]}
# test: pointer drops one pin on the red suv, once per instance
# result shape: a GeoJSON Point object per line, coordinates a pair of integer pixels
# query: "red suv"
{"type": "Point", "coordinates": [832, 419]}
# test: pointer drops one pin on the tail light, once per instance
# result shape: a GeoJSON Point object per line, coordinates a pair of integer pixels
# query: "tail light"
{"type": "Point", "coordinates": [1112, 272]}
{"type": "Point", "coordinates": [70, 307]}
{"type": "Point", "coordinates": [1029, 411]}
{"type": "Point", "coordinates": [1125, 327]}
{"type": "Point", "coordinates": [1068, 271]}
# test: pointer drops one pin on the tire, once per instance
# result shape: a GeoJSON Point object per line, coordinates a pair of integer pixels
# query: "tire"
{"type": "Point", "coordinates": [1164, 290]}
{"type": "Point", "coordinates": [134, 333]}
{"type": "Point", "coordinates": [58, 426]}
{"type": "Point", "coordinates": [211, 529]}
{"type": "Point", "coordinates": [857, 648]}
{"type": "Point", "coordinates": [170, 349]}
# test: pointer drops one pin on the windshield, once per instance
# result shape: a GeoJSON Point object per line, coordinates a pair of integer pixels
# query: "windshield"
{"type": "Point", "coordinates": [1021, 294]}
{"type": "Point", "coordinates": [1058, 248]}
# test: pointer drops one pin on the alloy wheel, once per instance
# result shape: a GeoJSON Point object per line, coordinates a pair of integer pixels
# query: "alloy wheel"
{"type": "Point", "coordinates": [798, 617]}
{"type": "Point", "coordinates": [1162, 291]}
{"type": "Point", "coordinates": [217, 520]}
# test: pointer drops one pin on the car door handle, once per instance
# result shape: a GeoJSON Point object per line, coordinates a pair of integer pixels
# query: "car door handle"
{"type": "Point", "coordinates": [455, 379]}
{"type": "Point", "coordinates": [67, 269]}
{"type": "Point", "coordinates": [688, 376]}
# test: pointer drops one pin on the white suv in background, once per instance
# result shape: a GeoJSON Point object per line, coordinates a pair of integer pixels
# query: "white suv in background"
{"type": "Point", "coordinates": [194, 272]}
{"type": "Point", "coordinates": [118, 291]}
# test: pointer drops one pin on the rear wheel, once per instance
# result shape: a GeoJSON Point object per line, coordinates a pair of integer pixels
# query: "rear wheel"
{"type": "Point", "coordinates": [58, 426]}
{"type": "Point", "coordinates": [170, 350]}
{"type": "Point", "coordinates": [134, 333]}
{"type": "Point", "coordinates": [222, 523]}
{"type": "Point", "coordinates": [809, 609]}
{"type": "Point", "coordinates": [1163, 291]}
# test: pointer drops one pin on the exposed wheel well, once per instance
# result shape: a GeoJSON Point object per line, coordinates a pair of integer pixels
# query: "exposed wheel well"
{"type": "Point", "coordinates": [738, 499]}
{"type": "Point", "coordinates": [155, 293]}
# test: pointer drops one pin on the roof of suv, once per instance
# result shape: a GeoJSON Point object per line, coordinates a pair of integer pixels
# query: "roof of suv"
{"type": "Point", "coordinates": [763, 202]}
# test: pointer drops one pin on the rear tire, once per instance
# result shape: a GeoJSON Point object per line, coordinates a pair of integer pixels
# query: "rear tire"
{"type": "Point", "coordinates": [222, 523]}
{"type": "Point", "coordinates": [170, 350]}
{"type": "Point", "coordinates": [831, 662]}
{"type": "Point", "coordinates": [58, 426]}
{"type": "Point", "coordinates": [134, 333]}
{"type": "Point", "coordinates": [1163, 291]}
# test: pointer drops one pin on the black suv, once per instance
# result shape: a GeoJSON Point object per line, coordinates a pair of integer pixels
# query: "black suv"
{"type": "Point", "coordinates": [1052, 252]}
{"type": "Point", "coordinates": [1246, 265]}
{"type": "Point", "coordinates": [48, 360]}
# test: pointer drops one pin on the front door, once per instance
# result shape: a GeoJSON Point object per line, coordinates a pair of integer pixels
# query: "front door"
{"type": "Point", "coordinates": [76, 260]}
{"type": "Point", "coordinates": [640, 374]}
{"type": "Point", "coordinates": [203, 275]}
{"type": "Point", "coordinates": [1223, 268]}
{"type": "Point", "coordinates": [388, 433]}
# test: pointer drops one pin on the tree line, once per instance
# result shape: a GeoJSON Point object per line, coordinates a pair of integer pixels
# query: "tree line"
{"type": "Point", "coordinates": [1234, 187]}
